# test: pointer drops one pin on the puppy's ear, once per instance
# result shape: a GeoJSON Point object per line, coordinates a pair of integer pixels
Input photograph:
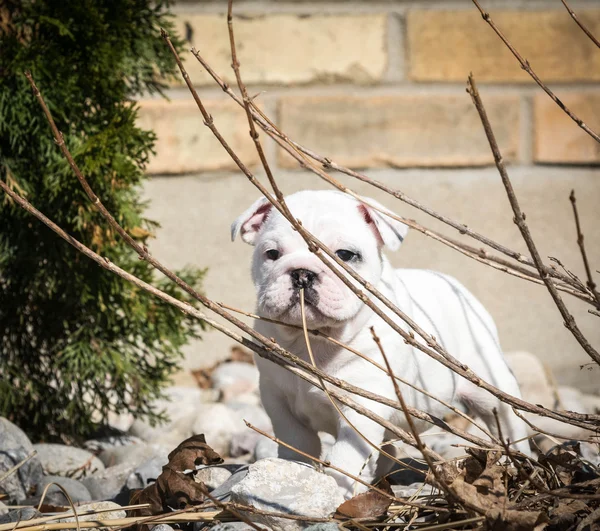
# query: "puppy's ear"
{"type": "Point", "coordinates": [389, 232]}
{"type": "Point", "coordinates": [250, 222]}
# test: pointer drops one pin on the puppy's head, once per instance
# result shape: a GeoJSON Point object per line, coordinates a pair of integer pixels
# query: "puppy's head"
{"type": "Point", "coordinates": [283, 265]}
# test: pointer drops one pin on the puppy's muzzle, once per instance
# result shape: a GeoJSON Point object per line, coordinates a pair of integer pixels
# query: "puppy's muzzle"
{"type": "Point", "coordinates": [302, 278]}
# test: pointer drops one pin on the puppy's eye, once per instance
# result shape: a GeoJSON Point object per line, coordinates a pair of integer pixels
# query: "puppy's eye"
{"type": "Point", "coordinates": [272, 254]}
{"type": "Point", "coordinates": [345, 255]}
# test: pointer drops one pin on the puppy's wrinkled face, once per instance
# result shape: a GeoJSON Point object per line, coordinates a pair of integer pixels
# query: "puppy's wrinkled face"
{"type": "Point", "coordinates": [283, 265]}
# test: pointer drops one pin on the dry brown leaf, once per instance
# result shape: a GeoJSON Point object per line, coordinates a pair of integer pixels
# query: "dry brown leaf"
{"type": "Point", "coordinates": [173, 489]}
{"type": "Point", "coordinates": [193, 452]}
{"type": "Point", "coordinates": [371, 504]}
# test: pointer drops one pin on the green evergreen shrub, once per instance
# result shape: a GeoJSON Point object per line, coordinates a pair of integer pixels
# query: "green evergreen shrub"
{"type": "Point", "coordinates": [77, 342]}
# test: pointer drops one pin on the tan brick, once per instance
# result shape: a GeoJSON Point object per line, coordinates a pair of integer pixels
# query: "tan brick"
{"type": "Point", "coordinates": [403, 130]}
{"type": "Point", "coordinates": [289, 49]}
{"type": "Point", "coordinates": [184, 144]}
{"type": "Point", "coordinates": [558, 139]}
{"type": "Point", "coordinates": [447, 45]}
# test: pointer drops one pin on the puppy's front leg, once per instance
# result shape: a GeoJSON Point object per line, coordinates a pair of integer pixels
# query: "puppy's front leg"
{"type": "Point", "coordinates": [352, 453]}
{"type": "Point", "coordinates": [288, 428]}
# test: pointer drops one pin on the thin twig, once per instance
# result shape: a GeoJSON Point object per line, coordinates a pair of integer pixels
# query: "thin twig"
{"type": "Point", "coordinates": [13, 469]}
{"type": "Point", "coordinates": [426, 452]}
{"type": "Point", "coordinates": [590, 281]}
{"type": "Point", "coordinates": [519, 220]}
{"type": "Point", "coordinates": [527, 67]}
{"type": "Point", "coordinates": [581, 24]}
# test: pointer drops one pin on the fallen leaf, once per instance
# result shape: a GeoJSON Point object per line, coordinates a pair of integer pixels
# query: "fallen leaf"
{"type": "Point", "coordinates": [370, 504]}
{"type": "Point", "coordinates": [174, 489]}
{"type": "Point", "coordinates": [191, 453]}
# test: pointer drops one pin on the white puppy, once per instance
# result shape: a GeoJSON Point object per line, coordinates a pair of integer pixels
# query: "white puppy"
{"type": "Point", "coordinates": [283, 264]}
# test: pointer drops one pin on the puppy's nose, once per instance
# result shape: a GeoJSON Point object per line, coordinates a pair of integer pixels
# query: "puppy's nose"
{"type": "Point", "coordinates": [302, 278]}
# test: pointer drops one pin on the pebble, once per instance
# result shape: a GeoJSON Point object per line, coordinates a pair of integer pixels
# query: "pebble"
{"type": "Point", "coordinates": [111, 442]}
{"type": "Point", "coordinates": [223, 491]}
{"type": "Point", "coordinates": [109, 482]}
{"type": "Point", "coordinates": [3, 509]}
{"type": "Point", "coordinates": [55, 496]}
{"type": "Point", "coordinates": [134, 454]}
{"type": "Point", "coordinates": [218, 423]}
{"type": "Point", "coordinates": [69, 461]}
{"type": "Point", "coordinates": [291, 487]}
{"type": "Point", "coordinates": [235, 526]}
{"type": "Point", "coordinates": [212, 476]}
{"type": "Point", "coordinates": [26, 513]}
{"type": "Point", "coordinates": [323, 526]}
{"type": "Point", "coordinates": [245, 440]}
{"type": "Point", "coordinates": [235, 374]}
{"type": "Point", "coordinates": [146, 473]}
{"type": "Point", "coordinates": [162, 527]}
{"type": "Point", "coordinates": [14, 448]}
{"type": "Point", "coordinates": [182, 406]}
{"type": "Point", "coordinates": [265, 448]}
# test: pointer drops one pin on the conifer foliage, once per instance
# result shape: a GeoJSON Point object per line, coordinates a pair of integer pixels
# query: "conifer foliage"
{"type": "Point", "coordinates": [77, 342]}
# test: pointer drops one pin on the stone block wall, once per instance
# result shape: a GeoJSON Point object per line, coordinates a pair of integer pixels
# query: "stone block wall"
{"type": "Point", "coordinates": [380, 86]}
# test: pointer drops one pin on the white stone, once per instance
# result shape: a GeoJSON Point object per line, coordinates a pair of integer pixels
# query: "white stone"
{"type": "Point", "coordinates": [288, 487]}
{"type": "Point", "coordinates": [234, 371]}
{"type": "Point", "coordinates": [218, 423]}
{"type": "Point", "coordinates": [212, 476]}
{"type": "Point", "coordinates": [69, 461]}
{"type": "Point", "coordinates": [265, 448]}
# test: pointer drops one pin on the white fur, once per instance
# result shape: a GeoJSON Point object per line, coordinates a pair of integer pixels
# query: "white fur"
{"type": "Point", "coordinates": [438, 303]}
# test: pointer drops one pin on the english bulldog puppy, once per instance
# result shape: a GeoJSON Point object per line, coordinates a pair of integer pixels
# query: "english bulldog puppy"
{"type": "Point", "coordinates": [282, 265]}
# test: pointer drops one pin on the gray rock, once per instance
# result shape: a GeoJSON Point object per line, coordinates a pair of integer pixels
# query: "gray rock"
{"type": "Point", "coordinates": [55, 496]}
{"type": "Point", "coordinates": [323, 526]}
{"type": "Point", "coordinates": [223, 491]}
{"type": "Point", "coordinates": [146, 473]}
{"type": "Point", "coordinates": [218, 423]}
{"type": "Point", "coordinates": [235, 378]}
{"type": "Point", "coordinates": [244, 441]}
{"type": "Point", "coordinates": [110, 511]}
{"type": "Point", "coordinates": [182, 406]}
{"type": "Point", "coordinates": [243, 399]}
{"type": "Point", "coordinates": [27, 513]}
{"type": "Point", "coordinates": [233, 526]}
{"type": "Point", "coordinates": [289, 487]}
{"type": "Point", "coordinates": [213, 476]}
{"type": "Point", "coordinates": [591, 403]}
{"type": "Point", "coordinates": [112, 441]}
{"type": "Point", "coordinates": [265, 448]}
{"type": "Point", "coordinates": [15, 447]}
{"type": "Point", "coordinates": [108, 483]}
{"type": "Point", "coordinates": [134, 454]}
{"type": "Point", "coordinates": [61, 460]}
{"type": "Point", "coordinates": [3, 509]}
{"type": "Point", "coordinates": [162, 527]}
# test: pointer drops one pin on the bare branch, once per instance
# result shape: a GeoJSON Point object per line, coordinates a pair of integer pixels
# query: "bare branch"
{"type": "Point", "coordinates": [581, 24]}
{"type": "Point", "coordinates": [302, 156]}
{"type": "Point", "coordinates": [527, 67]}
{"type": "Point", "coordinates": [519, 220]}
{"type": "Point", "coordinates": [590, 281]}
